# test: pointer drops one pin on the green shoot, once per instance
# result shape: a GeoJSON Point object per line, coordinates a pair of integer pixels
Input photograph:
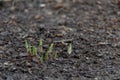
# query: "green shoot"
{"type": "Point", "coordinates": [26, 62]}
{"type": "Point", "coordinates": [34, 50]}
{"type": "Point", "coordinates": [46, 55]}
{"type": "Point", "coordinates": [41, 45]}
{"type": "Point", "coordinates": [69, 50]}
{"type": "Point", "coordinates": [40, 42]}
{"type": "Point", "coordinates": [28, 46]}
{"type": "Point", "coordinates": [49, 51]}
{"type": "Point", "coordinates": [51, 48]}
{"type": "Point", "coordinates": [41, 58]}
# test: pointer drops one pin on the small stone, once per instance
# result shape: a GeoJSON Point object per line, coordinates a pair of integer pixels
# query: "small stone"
{"type": "Point", "coordinates": [5, 33]}
{"type": "Point", "coordinates": [37, 17]}
{"type": "Point", "coordinates": [116, 44]}
{"type": "Point", "coordinates": [63, 32]}
{"type": "Point", "coordinates": [12, 8]}
{"type": "Point", "coordinates": [13, 17]}
{"type": "Point", "coordinates": [98, 2]}
{"type": "Point", "coordinates": [95, 78]}
{"type": "Point", "coordinates": [118, 13]}
{"type": "Point", "coordinates": [103, 43]}
{"type": "Point", "coordinates": [49, 13]}
{"type": "Point", "coordinates": [100, 55]}
{"type": "Point", "coordinates": [1, 51]}
{"type": "Point", "coordinates": [23, 54]}
{"type": "Point", "coordinates": [33, 25]}
{"type": "Point", "coordinates": [35, 59]}
{"type": "Point", "coordinates": [99, 7]}
{"type": "Point", "coordinates": [87, 58]}
{"type": "Point", "coordinates": [9, 78]}
{"type": "Point", "coordinates": [61, 21]}
{"type": "Point", "coordinates": [77, 51]}
{"type": "Point", "coordinates": [26, 10]}
{"type": "Point", "coordinates": [1, 78]}
{"type": "Point", "coordinates": [59, 35]}
{"type": "Point", "coordinates": [6, 63]}
{"type": "Point", "coordinates": [67, 29]}
{"type": "Point", "coordinates": [42, 5]}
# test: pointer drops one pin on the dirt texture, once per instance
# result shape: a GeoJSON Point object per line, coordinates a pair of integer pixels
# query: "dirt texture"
{"type": "Point", "coordinates": [92, 26]}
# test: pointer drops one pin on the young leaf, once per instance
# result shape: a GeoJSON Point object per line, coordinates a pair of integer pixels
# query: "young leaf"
{"type": "Point", "coordinates": [40, 42]}
{"type": "Point", "coordinates": [51, 48]}
{"type": "Point", "coordinates": [69, 48]}
{"type": "Point", "coordinates": [26, 44]}
{"type": "Point", "coordinates": [40, 45]}
{"type": "Point", "coordinates": [49, 51]}
{"type": "Point", "coordinates": [41, 59]}
{"type": "Point", "coordinates": [34, 50]}
{"type": "Point", "coordinates": [29, 48]}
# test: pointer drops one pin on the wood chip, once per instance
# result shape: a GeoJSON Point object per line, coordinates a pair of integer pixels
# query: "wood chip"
{"type": "Point", "coordinates": [59, 35]}
{"type": "Point", "coordinates": [59, 5]}
{"type": "Point", "coordinates": [38, 17]}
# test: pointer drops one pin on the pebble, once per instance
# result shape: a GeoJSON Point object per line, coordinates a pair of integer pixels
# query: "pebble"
{"type": "Point", "coordinates": [1, 51]}
{"type": "Point", "coordinates": [37, 16]}
{"type": "Point", "coordinates": [42, 5]}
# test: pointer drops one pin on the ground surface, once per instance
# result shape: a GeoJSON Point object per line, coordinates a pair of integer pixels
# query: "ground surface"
{"type": "Point", "coordinates": [93, 26]}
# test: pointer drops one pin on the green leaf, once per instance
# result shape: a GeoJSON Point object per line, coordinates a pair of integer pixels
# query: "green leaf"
{"type": "Point", "coordinates": [34, 50]}
{"type": "Point", "coordinates": [26, 44]}
{"type": "Point", "coordinates": [69, 48]}
{"type": "Point", "coordinates": [51, 48]}
{"type": "Point", "coordinates": [40, 42]}
{"type": "Point", "coordinates": [41, 59]}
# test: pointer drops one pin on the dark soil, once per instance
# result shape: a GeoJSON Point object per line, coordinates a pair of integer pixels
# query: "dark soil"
{"type": "Point", "coordinates": [93, 27]}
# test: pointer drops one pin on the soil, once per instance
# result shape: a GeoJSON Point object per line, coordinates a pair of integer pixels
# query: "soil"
{"type": "Point", "coordinates": [92, 26]}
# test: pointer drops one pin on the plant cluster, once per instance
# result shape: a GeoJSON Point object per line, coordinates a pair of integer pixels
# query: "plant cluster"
{"type": "Point", "coordinates": [33, 50]}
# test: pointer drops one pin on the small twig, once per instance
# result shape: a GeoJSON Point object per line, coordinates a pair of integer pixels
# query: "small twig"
{"type": "Point", "coordinates": [65, 41]}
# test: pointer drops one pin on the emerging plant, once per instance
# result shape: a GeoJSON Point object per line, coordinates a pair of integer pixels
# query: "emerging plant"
{"type": "Point", "coordinates": [26, 62]}
{"type": "Point", "coordinates": [49, 51]}
{"type": "Point", "coordinates": [42, 55]}
{"type": "Point", "coordinates": [41, 59]}
{"type": "Point", "coordinates": [28, 47]}
{"type": "Point", "coordinates": [41, 45]}
{"type": "Point", "coordinates": [50, 48]}
{"type": "Point", "coordinates": [55, 54]}
{"type": "Point", "coordinates": [69, 50]}
{"type": "Point", "coordinates": [34, 50]}
{"type": "Point", "coordinates": [26, 44]}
